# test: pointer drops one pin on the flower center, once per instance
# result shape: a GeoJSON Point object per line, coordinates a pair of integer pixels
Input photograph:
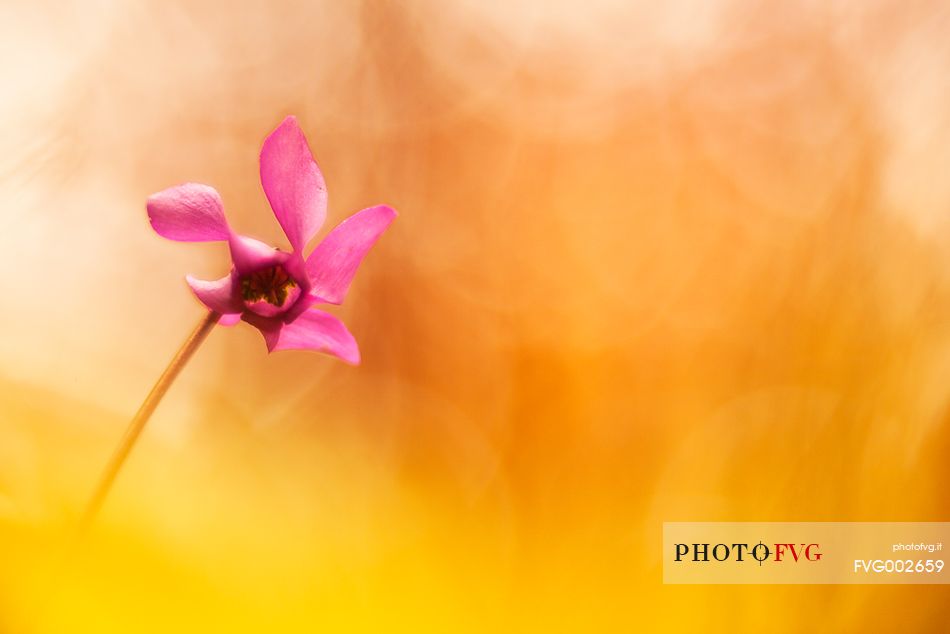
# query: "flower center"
{"type": "Point", "coordinates": [272, 285]}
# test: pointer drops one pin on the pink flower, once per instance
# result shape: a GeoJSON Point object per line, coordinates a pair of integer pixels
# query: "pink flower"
{"type": "Point", "coordinates": [271, 289]}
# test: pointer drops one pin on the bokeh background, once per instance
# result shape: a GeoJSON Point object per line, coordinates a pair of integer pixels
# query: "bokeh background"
{"type": "Point", "coordinates": [655, 262]}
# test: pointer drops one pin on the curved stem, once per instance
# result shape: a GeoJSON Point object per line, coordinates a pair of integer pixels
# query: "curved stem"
{"type": "Point", "coordinates": [135, 427]}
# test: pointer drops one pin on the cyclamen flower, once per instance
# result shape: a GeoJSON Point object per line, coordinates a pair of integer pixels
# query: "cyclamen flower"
{"type": "Point", "coordinates": [271, 289]}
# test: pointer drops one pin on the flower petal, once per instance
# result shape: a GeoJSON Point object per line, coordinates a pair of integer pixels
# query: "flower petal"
{"type": "Point", "coordinates": [189, 213]}
{"type": "Point", "coordinates": [333, 263]}
{"type": "Point", "coordinates": [293, 183]}
{"type": "Point", "coordinates": [251, 255]}
{"type": "Point", "coordinates": [314, 330]}
{"type": "Point", "coordinates": [221, 296]}
{"type": "Point", "coordinates": [229, 319]}
{"type": "Point", "coordinates": [303, 304]}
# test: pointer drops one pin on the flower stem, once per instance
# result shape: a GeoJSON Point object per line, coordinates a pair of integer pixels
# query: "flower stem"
{"type": "Point", "coordinates": [135, 427]}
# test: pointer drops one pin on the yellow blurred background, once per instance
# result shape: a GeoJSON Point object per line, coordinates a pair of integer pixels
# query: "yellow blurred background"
{"type": "Point", "coordinates": [655, 262]}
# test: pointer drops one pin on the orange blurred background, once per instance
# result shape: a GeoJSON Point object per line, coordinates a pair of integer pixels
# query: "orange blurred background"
{"type": "Point", "coordinates": [655, 262]}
